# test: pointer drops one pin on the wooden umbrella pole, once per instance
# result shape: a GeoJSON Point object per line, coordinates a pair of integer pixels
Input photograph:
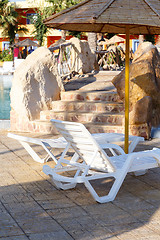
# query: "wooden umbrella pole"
{"type": "Point", "coordinates": [127, 92]}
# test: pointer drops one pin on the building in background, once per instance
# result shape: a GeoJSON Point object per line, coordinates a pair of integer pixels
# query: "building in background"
{"type": "Point", "coordinates": [26, 9]}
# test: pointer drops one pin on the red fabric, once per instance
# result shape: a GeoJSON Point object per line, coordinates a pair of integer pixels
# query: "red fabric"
{"type": "Point", "coordinates": [16, 52]}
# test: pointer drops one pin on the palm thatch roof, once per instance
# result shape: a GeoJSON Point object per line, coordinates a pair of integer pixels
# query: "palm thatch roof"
{"type": "Point", "coordinates": [57, 43]}
{"type": "Point", "coordinates": [115, 39]}
{"type": "Point", "coordinates": [112, 16]}
{"type": "Point", "coordinates": [27, 42]}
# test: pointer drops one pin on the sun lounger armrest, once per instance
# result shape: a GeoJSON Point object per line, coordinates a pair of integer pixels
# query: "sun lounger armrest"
{"type": "Point", "coordinates": [134, 143]}
{"type": "Point", "coordinates": [24, 139]}
{"type": "Point", "coordinates": [155, 153]}
{"type": "Point", "coordinates": [112, 146]}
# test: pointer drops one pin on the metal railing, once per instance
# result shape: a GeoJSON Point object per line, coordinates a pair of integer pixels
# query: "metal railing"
{"type": "Point", "coordinates": [64, 58]}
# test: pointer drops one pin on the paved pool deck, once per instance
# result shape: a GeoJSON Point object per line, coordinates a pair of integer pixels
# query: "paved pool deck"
{"type": "Point", "coordinates": [32, 208]}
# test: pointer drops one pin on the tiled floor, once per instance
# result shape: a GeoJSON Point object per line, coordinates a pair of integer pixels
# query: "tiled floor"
{"type": "Point", "coordinates": [32, 208]}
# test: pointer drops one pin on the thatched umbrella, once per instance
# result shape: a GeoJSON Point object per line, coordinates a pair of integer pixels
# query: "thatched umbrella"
{"type": "Point", "coordinates": [27, 42]}
{"type": "Point", "coordinates": [115, 39]}
{"type": "Point", "coordinates": [112, 16]}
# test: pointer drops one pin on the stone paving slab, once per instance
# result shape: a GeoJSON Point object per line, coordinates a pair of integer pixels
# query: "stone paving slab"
{"type": "Point", "coordinates": [32, 208]}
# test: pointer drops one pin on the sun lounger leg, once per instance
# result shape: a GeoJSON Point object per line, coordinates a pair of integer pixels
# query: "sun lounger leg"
{"type": "Point", "coordinates": [63, 186]}
{"type": "Point", "coordinates": [112, 193]}
{"type": "Point", "coordinates": [66, 186]}
{"type": "Point", "coordinates": [140, 173]}
{"type": "Point", "coordinates": [60, 183]}
{"type": "Point", "coordinates": [134, 143]}
{"type": "Point", "coordinates": [33, 154]}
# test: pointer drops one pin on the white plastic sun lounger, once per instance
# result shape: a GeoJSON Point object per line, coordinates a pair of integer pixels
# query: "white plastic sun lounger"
{"type": "Point", "coordinates": [46, 144]}
{"type": "Point", "coordinates": [90, 161]}
{"type": "Point", "coordinates": [49, 144]}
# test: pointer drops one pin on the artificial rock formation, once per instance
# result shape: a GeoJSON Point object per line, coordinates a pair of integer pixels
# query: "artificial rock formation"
{"type": "Point", "coordinates": [141, 112]}
{"type": "Point", "coordinates": [83, 58]}
{"type": "Point", "coordinates": [144, 83]}
{"type": "Point", "coordinates": [36, 83]}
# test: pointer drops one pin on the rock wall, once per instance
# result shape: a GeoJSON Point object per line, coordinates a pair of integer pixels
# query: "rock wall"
{"type": "Point", "coordinates": [144, 90]}
{"type": "Point", "coordinates": [36, 83]}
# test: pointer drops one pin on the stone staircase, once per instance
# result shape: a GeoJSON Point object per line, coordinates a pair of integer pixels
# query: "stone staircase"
{"type": "Point", "coordinates": [100, 111]}
{"type": "Point", "coordinates": [91, 100]}
{"type": "Point", "coordinates": [95, 103]}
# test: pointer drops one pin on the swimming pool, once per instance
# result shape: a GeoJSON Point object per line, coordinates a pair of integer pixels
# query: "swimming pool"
{"type": "Point", "coordinates": [5, 87]}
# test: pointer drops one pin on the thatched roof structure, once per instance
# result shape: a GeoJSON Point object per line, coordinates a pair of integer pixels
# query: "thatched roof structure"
{"type": "Point", "coordinates": [57, 43]}
{"type": "Point", "coordinates": [115, 39]}
{"type": "Point", "coordinates": [111, 16]}
{"type": "Point", "coordinates": [27, 42]}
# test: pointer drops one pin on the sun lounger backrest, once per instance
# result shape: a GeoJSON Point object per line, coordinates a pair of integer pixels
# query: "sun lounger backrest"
{"type": "Point", "coordinates": [84, 145]}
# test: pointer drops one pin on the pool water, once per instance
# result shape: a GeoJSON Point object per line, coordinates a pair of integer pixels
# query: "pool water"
{"type": "Point", "coordinates": [5, 87]}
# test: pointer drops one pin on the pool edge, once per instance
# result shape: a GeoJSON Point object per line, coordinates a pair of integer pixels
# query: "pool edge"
{"type": "Point", "coordinates": [4, 124]}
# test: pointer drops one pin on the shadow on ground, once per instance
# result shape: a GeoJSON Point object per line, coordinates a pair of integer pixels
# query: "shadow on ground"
{"type": "Point", "coordinates": [77, 83]}
{"type": "Point", "coordinates": [32, 208]}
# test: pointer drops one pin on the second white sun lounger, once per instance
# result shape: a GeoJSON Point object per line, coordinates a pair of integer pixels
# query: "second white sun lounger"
{"type": "Point", "coordinates": [49, 144]}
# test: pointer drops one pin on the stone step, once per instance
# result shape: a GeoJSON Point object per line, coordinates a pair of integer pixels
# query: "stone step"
{"type": "Point", "coordinates": [112, 118]}
{"type": "Point", "coordinates": [100, 86]}
{"type": "Point", "coordinates": [100, 81]}
{"type": "Point", "coordinates": [87, 106]}
{"type": "Point", "coordinates": [46, 127]}
{"type": "Point", "coordinates": [142, 130]}
{"type": "Point", "coordinates": [109, 74]}
{"type": "Point", "coordinates": [104, 128]}
{"type": "Point", "coordinates": [109, 96]}
{"type": "Point", "coordinates": [41, 126]}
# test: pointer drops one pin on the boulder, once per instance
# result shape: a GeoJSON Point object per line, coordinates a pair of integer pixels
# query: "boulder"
{"type": "Point", "coordinates": [83, 58]}
{"type": "Point", "coordinates": [141, 112]}
{"type": "Point", "coordinates": [36, 83]}
{"type": "Point", "coordinates": [144, 80]}
{"type": "Point", "coordinates": [143, 48]}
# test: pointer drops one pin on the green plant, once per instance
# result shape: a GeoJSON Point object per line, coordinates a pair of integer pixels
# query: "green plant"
{"type": "Point", "coordinates": [150, 38]}
{"type": "Point", "coordinates": [109, 35]}
{"type": "Point", "coordinates": [40, 28]}
{"type": "Point", "coordinates": [9, 20]}
{"type": "Point", "coordinates": [59, 5]}
{"type": "Point", "coordinates": [75, 34]}
{"type": "Point", "coordinates": [6, 55]}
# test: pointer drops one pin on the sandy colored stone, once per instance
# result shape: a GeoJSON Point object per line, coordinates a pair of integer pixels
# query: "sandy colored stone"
{"type": "Point", "coordinates": [36, 83]}
{"type": "Point", "coordinates": [141, 111]}
{"type": "Point", "coordinates": [144, 79]}
{"type": "Point", "coordinates": [83, 58]}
